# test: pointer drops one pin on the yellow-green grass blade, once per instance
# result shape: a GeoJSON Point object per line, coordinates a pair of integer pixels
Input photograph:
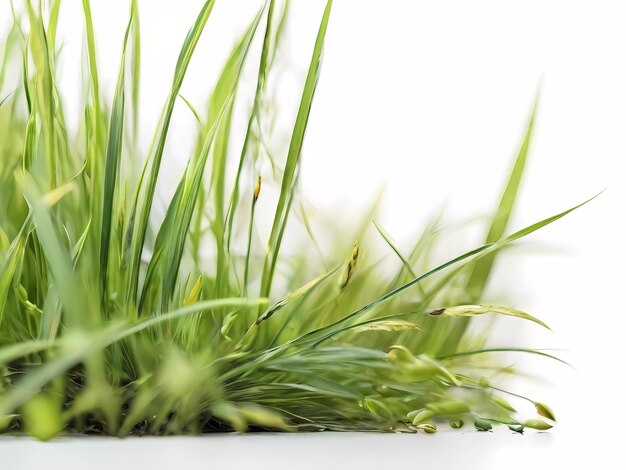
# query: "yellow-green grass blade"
{"type": "Point", "coordinates": [55, 6]}
{"type": "Point", "coordinates": [152, 285]}
{"type": "Point", "coordinates": [93, 65]}
{"type": "Point", "coordinates": [44, 92]}
{"type": "Point", "coordinates": [13, 259]}
{"type": "Point", "coordinates": [184, 211]}
{"type": "Point", "coordinates": [223, 97]}
{"type": "Point", "coordinates": [76, 309]}
{"type": "Point", "coordinates": [9, 43]}
{"type": "Point", "coordinates": [481, 269]}
{"type": "Point", "coordinates": [473, 310]}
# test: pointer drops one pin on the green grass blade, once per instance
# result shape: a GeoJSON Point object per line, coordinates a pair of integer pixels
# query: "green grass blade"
{"type": "Point", "coordinates": [389, 242]}
{"type": "Point", "coordinates": [73, 298]}
{"type": "Point", "coordinates": [254, 116]}
{"type": "Point", "coordinates": [136, 71]}
{"type": "Point", "coordinates": [112, 165]}
{"type": "Point", "coordinates": [53, 22]}
{"type": "Point", "coordinates": [481, 269]}
{"type": "Point", "coordinates": [140, 224]}
{"type": "Point", "coordinates": [223, 97]}
{"type": "Point", "coordinates": [293, 156]}
{"type": "Point", "coordinates": [485, 249]}
{"type": "Point", "coordinates": [93, 123]}
{"type": "Point", "coordinates": [12, 260]}
{"type": "Point", "coordinates": [495, 350]}
{"type": "Point", "coordinates": [15, 351]}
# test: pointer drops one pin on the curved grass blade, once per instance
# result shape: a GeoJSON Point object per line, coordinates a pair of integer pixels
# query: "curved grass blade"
{"type": "Point", "coordinates": [496, 350]}
{"type": "Point", "coordinates": [473, 310]}
{"type": "Point", "coordinates": [481, 249]}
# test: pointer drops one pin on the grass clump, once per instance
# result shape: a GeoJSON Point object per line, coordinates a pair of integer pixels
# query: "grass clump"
{"type": "Point", "coordinates": [112, 322]}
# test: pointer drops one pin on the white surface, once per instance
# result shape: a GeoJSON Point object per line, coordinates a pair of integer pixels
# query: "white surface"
{"type": "Point", "coordinates": [429, 98]}
{"type": "Point", "coordinates": [449, 449]}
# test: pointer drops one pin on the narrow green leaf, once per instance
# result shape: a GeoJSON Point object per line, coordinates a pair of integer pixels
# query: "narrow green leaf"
{"type": "Point", "coordinates": [302, 290]}
{"type": "Point", "coordinates": [491, 350]}
{"type": "Point", "coordinates": [293, 156]}
{"type": "Point", "coordinates": [389, 242]}
{"type": "Point", "coordinates": [140, 222]}
{"type": "Point", "coordinates": [15, 351]}
{"type": "Point", "coordinates": [482, 268]}
{"type": "Point", "coordinates": [112, 164]}
{"type": "Point", "coordinates": [11, 262]}
{"type": "Point", "coordinates": [254, 117]}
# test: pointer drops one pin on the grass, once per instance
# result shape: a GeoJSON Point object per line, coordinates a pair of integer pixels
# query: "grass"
{"type": "Point", "coordinates": [114, 322]}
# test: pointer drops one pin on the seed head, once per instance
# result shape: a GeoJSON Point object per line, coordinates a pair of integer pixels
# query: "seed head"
{"type": "Point", "coordinates": [544, 410]}
{"type": "Point", "coordinates": [257, 189]}
{"type": "Point", "coordinates": [350, 266]}
{"type": "Point", "coordinates": [537, 424]}
{"type": "Point", "coordinates": [429, 428]}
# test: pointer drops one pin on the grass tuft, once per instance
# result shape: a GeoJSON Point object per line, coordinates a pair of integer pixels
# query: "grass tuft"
{"type": "Point", "coordinates": [113, 324]}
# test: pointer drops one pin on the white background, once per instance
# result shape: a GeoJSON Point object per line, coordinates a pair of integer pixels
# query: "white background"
{"type": "Point", "coordinates": [429, 99]}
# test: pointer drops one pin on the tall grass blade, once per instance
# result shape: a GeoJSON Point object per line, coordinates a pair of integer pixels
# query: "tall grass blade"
{"type": "Point", "coordinates": [145, 198]}
{"type": "Point", "coordinates": [112, 164]}
{"type": "Point", "coordinates": [293, 156]}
